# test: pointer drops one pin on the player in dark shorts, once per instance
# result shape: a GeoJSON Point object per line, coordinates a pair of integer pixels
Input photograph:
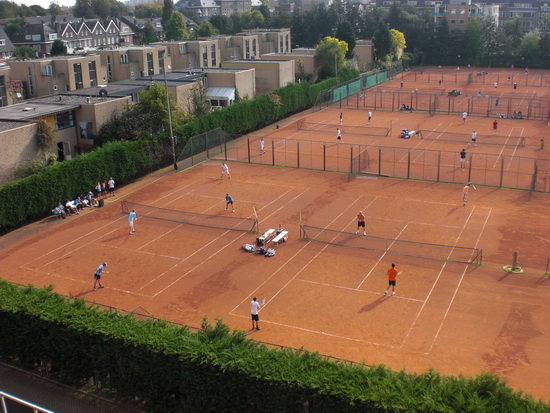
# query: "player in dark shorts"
{"type": "Point", "coordinates": [361, 223]}
{"type": "Point", "coordinates": [97, 275]}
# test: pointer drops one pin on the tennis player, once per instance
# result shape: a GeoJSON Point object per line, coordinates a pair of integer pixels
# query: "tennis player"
{"type": "Point", "coordinates": [262, 146]}
{"type": "Point", "coordinates": [229, 200]}
{"type": "Point", "coordinates": [465, 192]}
{"type": "Point", "coordinates": [131, 218]}
{"type": "Point", "coordinates": [225, 170]}
{"type": "Point", "coordinates": [254, 312]}
{"type": "Point", "coordinates": [339, 136]}
{"type": "Point", "coordinates": [97, 275]}
{"type": "Point", "coordinates": [361, 223]}
{"type": "Point", "coordinates": [392, 277]}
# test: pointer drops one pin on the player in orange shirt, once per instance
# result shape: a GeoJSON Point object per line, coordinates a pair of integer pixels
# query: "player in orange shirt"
{"type": "Point", "coordinates": [392, 276]}
{"type": "Point", "coordinates": [361, 223]}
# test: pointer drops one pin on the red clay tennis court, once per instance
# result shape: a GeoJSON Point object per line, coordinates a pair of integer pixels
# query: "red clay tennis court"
{"type": "Point", "coordinates": [448, 315]}
{"type": "Point", "coordinates": [326, 293]}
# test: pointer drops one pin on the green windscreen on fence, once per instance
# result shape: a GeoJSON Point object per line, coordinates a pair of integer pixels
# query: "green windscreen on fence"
{"type": "Point", "coordinates": [354, 87]}
{"type": "Point", "coordinates": [371, 81]}
{"type": "Point", "coordinates": [339, 93]}
{"type": "Point", "coordinates": [381, 77]}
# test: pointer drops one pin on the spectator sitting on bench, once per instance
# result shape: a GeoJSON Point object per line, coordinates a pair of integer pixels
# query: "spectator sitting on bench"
{"type": "Point", "coordinates": [78, 203]}
{"type": "Point", "coordinates": [70, 207]}
{"type": "Point", "coordinates": [58, 211]}
{"type": "Point", "coordinates": [91, 200]}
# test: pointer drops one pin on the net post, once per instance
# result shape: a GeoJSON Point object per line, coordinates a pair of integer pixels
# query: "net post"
{"type": "Point", "coordinates": [324, 157]}
{"type": "Point", "coordinates": [379, 161]}
{"type": "Point", "coordinates": [390, 132]}
{"type": "Point", "coordinates": [298, 154]}
{"type": "Point", "coordinates": [302, 232]}
{"type": "Point", "coordinates": [248, 148]}
{"type": "Point", "coordinates": [351, 158]}
{"type": "Point", "coordinates": [438, 165]}
{"type": "Point", "coordinates": [470, 168]}
{"type": "Point", "coordinates": [272, 153]}
{"type": "Point", "coordinates": [256, 225]}
{"type": "Point", "coordinates": [122, 205]}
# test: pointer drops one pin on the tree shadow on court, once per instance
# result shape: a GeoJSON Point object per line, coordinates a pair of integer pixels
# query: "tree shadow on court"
{"type": "Point", "coordinates": [374, 304]}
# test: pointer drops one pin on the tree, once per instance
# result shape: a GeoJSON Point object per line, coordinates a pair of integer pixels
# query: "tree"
{"type": "Point", "coordinates": [199, 104]}
{"type": "Point", "coordinates": [58, 47]}
{"type": "Point", "coordinates": [167, 12]}
{"type": "Point", "coordinates": [149, 35]}
{"type": "Point", "coordinates": [344, 32]}
{"type": "Point", "coordinates": [54, 9]}
{"type": "Point", "coordinates": [382, 41]}
{"type": "Point", "coordinates": [13, 26]}
{"type": "Point", "coordinates": [252, 19]}
{"type": "Point", "coordinates": [205, 30]}
{"type": "Point", "coordinates": [398, 43]}
{"type": "Point", "coordinates": [223, 24]}
{"type": "Point", "coordinates": [24, 52]}
{"type": "Point", "coordinates": [330, 55]}
{"type": "Point", "coordinates": [175, 28]}
{"type": "Point", "coordinates": [146, 10]}
{"type": "Point", "coordinates": [44, 137]}
{"type": "Point", "coordinates": [84, 8]}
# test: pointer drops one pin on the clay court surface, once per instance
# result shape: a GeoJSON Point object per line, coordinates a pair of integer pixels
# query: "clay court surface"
{"type": "Point", "coordinates": [454, 317]}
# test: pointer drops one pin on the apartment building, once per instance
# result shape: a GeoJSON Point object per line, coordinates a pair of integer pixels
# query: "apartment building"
{"type": "Point", "coordinates": [78, 35]}
{"type": "Point", "coordinates": [271, 40]}
{"type": "Point", "coordinates": [59, 74]}
{"type": "Point", "coordinates": [74, 120]}
{"type": "Point", "coordinates": [269, 74]}
{"type": "Point", "coordinates": [134, 62]}
{"type": "Point", "coordinates": [304, 59]}
{"type": "Point", "coordinates": [239, 46]}
{"type": "Point", "coordinates": [192, 54]}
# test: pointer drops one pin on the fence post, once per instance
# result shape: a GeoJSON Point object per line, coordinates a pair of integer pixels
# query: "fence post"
{"type": "Point", "coordinates": [501, 172]}
{"type": "Point", "coordinates": [324, 157]}
{"type": "Point", "coordinates": [351, 160]}
{"type": "Point", "coordinates": [298, 154]}
{"type": "Point", "coordinates": [272, 152]}
{"type": "Point", "coordinates": [470, 168]}
{"type": "Point", "coordinates": [225, 147]}
{"type": "Point", "coordinates": [248, 145]}
{"type": "Point", "coordinates": [438, 165]}
{"type": "Point", "coordinates": [379, 161]}
{"type": "Point", "coordinates": [192, 151]}
{"type": "Point", "coordinates": [409, 164]}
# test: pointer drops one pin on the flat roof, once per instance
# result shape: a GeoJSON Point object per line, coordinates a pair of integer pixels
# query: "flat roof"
{"type": "Point", "coordinates": [30, 110]}
{"type": "Point", "coordinates": [8, 125]}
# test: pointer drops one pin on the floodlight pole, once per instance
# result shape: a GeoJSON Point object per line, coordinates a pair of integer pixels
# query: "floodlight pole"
{"type": "Point", "coordinates": [170, 120]}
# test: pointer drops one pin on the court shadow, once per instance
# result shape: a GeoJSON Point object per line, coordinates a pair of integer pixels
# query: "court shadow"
{"type": "Point", "coordinates": [82, 293]}
{"type": "Point", "coordinates": [544, 280]}
{"type": "Point", "coordinates": [452, 211]}
{"type": "Point", "coordinates": [115, 238]}
{"type": "Point", "coordinates": [374, 304]}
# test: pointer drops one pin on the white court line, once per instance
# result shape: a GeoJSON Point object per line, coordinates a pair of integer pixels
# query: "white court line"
{"type": "Point", "coordinates": [435, 282]}
{"type": "Point", "coordinates": [401, 199]}
{"type": "Point", "coordinates": [374, 343]}
{"type": "Point", "coordinates": [515, 149]}
{"type": "Point", "coordinates": [503, 148]}
{"type": "Point", "coordinates": [143, 252]}
{"type": "Point", "coordinates": [419, 223]}
{"type": "Point", "coordinates": [381, 257]}
{"type": "Point", "coordinates": [457, 287]}
{"type": "Point", "coordinates": [355, 289]}
{"type": "Point", "coordinates": [228, 244]}
{"type": "Point", "coordinates": [200, 249]}
{"type": "Point", "coordinates": [289, 260]}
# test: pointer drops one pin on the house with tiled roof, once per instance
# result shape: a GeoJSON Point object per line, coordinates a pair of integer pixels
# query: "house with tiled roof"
{"type": "Point", "coordinates": [6, 46]}
{"type": "Point", "coordinates": [39, 36]}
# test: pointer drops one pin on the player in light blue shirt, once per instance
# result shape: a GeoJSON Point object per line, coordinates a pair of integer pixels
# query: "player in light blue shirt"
{"type": "Point", "coordinates": [131, 218]}
{"type": "Point", "coordinates": [97, 275]}
{"type": "Point", "coordinates": [229, 200]}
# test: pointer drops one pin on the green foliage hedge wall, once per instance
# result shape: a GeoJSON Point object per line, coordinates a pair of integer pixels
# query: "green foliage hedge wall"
{"type": "Point", "coordinates": [174, 370]}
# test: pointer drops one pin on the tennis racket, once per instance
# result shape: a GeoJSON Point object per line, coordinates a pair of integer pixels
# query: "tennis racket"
{"type": "Point", "coordinates": [400, 273]}
{"type": "Point", "coordinates": [264, 301]}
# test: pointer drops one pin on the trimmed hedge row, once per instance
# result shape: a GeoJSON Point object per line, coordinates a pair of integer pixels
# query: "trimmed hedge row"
{"type": "Point", "coordinates": [34, 197]}
{"type": "Point", "coordinates": [173, 369]}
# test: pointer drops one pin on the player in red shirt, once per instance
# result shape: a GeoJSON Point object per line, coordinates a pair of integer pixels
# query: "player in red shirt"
{"type": "Point", "coordinates": [392, 276]}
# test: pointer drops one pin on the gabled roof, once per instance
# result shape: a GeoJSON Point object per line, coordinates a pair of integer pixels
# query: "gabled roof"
{"type": "Point", "coordinates": [8, 46]}
{"type": "Point", "coordinates": [33, 29]}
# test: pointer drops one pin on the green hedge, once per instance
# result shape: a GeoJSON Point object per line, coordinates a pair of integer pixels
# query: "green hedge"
{"type": "Point", "coordinates": [174, 370]}
{"type": "Point", "coordinates": [34, 197]}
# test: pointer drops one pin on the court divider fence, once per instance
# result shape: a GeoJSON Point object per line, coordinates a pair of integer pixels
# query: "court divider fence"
{"type": "Point", "coordinates": [421, 164]}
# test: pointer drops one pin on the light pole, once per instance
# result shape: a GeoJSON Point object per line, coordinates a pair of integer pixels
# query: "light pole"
{"type": "Point", "coordinates": [336, 67]}
{"type": "Point", "coordinates": [170, 120]}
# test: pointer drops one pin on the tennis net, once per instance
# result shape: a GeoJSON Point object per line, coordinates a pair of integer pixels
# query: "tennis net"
{"type": "Point", "coordinates": [347, 129]}
{"type": "Point", "coordinates": [465, 138]}
{"type": "Point", "coordinates": [192, 218]}
{"type": "Point", "coordinates": [438, 252]}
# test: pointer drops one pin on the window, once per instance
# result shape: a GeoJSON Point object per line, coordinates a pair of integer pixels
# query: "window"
{"type": "Point", "coordinates": [161, 61]}
{"type": "Point", "coordinates": [254, 47]}
{"type": "Point", "coordinates": [53, 36]}
{"type": "Point", "coordinates": [29, 81]}
{"type": "Point", "coordinates": [77, 67]}
{"type": "Point", "coordinates": [109, 68]}
{"type": "Point", "coordinates": [453, 21]}
{"type": "Point", "coordinates": [213, 54]}
{"type": "Point", "coordinates": [47, 70]}
{"type": "Point", "coordinates": [205, 56]}
{"type": "Point", "coordinates": [281, 47]}
{"type": "Point", "coordinates": [453, 11]}
{"type": "Point", "coordinates": [461, 21]}
{"type": "Point", "coordinates": [28, 37]}
{"type": "Point", "coordinates": [124, 58]}
{"type": "Point", "coordinates": [462, 11]}
{"type": "Point", "coordinates": [228, 43]}
{"type": "Point", "coordinates": [36, 37]}
{"type": "Point", "coordinates": [150, 66]}
{"type": "Point", "coordinates": [93, 73]}
{"type": "Point", "coordinates": [3, 96]}
{"type": "Point", "coordinates": [2, 42]}
{"type": "Point", "coordinates": [287, 43]}
{"type": "Point", "coordinates": [64, 120]}
{"type": "Point", "coordinates": [183, 49]}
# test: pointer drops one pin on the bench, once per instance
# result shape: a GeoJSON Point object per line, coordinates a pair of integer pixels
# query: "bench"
{"type": "Point", "coordinates": [282, 237]}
